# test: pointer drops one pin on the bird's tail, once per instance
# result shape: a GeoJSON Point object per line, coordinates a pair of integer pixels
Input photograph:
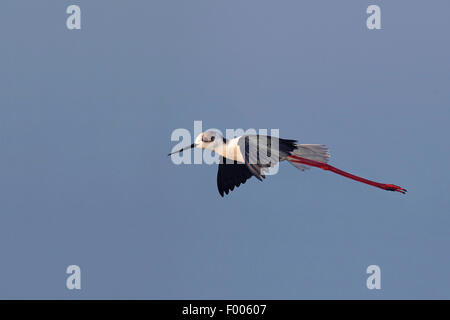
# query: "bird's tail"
{"type": "Point", "coordinates": [315, 152]}
{"type": "Point", "coordinates": [314, 155]}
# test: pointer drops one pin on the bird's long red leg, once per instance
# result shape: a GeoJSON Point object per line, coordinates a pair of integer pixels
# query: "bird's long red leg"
{"type": "Point", "coordinates": [325, 166]}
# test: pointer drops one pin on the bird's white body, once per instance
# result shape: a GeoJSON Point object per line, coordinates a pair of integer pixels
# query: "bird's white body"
{"type": "Point", "coordinates": [231, 150]}
{"type": "Point", "coordinates": [258, 149]}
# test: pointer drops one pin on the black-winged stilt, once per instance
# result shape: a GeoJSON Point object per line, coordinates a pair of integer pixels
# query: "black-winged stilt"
{"type": "Point", "coordinates": [253, 155]}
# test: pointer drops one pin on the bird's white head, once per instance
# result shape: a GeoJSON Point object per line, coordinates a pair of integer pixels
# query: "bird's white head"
{"type": "Point", "coordinates": [211, 140]}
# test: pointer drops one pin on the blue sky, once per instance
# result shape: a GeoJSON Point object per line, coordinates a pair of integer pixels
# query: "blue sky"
{"type": "Point", "coordinates": [85, 124]}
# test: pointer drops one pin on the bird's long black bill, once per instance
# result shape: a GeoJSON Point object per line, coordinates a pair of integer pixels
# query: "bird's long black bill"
{"type": "Point", "coordinates": [181, 150]}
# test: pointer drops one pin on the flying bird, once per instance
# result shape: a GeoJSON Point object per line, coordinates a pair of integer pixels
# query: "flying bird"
{"type": "Point", "coordinates": [253, 155]}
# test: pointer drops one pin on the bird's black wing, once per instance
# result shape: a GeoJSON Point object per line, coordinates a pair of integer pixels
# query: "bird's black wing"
{"type": "Point", "coordinates": [262, 152]}
{"type": "Point", "coordinates": [231, 175]}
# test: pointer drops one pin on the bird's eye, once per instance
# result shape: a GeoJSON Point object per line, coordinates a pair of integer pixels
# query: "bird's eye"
{"type": "Point", "coordinates": [212, 138]}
